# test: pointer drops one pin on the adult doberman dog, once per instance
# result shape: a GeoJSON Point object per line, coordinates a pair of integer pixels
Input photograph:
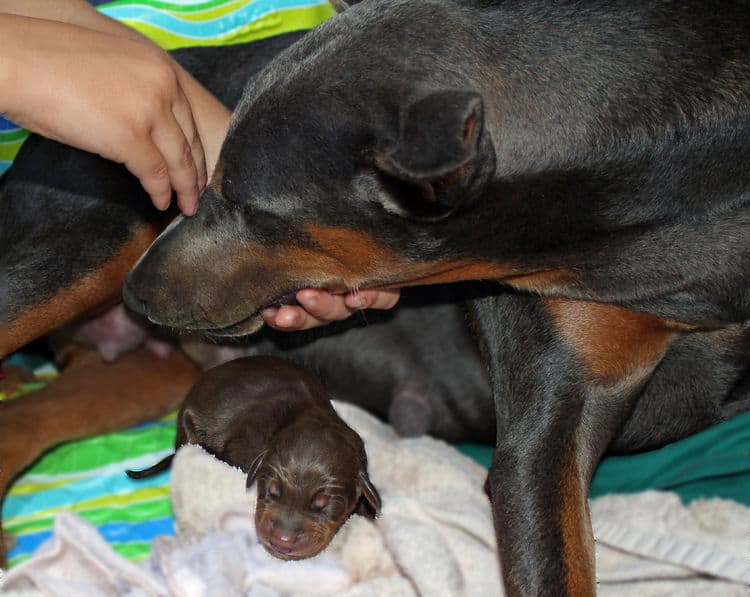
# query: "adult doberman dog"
{"type": "Point", "coordinates": [592, 156]}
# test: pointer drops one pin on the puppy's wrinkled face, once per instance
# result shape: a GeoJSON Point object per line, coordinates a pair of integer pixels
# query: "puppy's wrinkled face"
{"type": "Point", "coordinates": [298, 512]}
{"type": "Point", "coordinates": [307, 490]}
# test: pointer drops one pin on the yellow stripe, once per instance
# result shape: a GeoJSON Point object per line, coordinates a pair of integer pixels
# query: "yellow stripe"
{"type": "Point", "coordinates": [122, 500]}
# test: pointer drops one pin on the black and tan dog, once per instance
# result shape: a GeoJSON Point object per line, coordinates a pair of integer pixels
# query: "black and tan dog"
{"type": "Point", "coordinates": [273, 420]}
{"type": "Point", "coordinates": [591, 158]}
{"type": "Point", "coordinates": [594, 157]}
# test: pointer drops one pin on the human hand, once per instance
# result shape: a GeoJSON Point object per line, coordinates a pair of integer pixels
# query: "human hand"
{"type": "Point", "coordinates": [108, 95]}
{"type": "Point", "coordinates": [318, 307]}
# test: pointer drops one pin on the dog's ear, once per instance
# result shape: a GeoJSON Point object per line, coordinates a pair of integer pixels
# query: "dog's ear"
{"type": "Point", "coordinates": [252, 472]}
{"type": "Point", "coordinates": [369, 503]}
{"type": "Point", "coordinates": [437, 150]}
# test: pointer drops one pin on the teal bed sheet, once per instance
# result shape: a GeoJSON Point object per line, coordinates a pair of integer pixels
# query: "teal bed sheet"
{"type": "Point", "coordinates": [713, 463]}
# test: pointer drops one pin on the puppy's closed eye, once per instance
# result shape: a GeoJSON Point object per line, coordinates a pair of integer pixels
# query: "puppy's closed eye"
{"type": "Point", "coordinates": [319, 502]}
{"type": "Point", "coordinates": [274, 488]}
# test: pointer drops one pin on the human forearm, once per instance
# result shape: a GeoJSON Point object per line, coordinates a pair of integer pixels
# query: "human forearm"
{"type": "Point", "coordinates": [211, 118]}
{"type": "Point", "coordinates": [106, 94]}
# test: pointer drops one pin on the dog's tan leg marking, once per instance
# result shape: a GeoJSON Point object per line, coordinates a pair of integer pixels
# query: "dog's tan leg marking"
{"type": "Point", "coordinates": [612, 342]}
{"type": "Point", "coordinates": [578, 540]}
{"type": "Point", "coordinates": [89, 397]}
{"type": "Point", "coordinates": [617, 350]}
{"type": "Point", "coordinates": [92, 290]}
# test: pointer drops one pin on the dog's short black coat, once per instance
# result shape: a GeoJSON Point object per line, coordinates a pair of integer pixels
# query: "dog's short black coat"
{"type": "Point", "coordinates": [590, 158]}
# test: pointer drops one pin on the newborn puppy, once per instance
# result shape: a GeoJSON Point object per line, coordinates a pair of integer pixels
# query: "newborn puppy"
{"type": "Point", "coordinates": [272, 419]}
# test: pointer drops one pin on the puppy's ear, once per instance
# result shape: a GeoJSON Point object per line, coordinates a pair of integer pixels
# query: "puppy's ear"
{"type": "Point", "coordinates": [369, 503]}
{"type": "Point", "coordinates": [252, 472]}
{"type": "Point", "coordinates": [437, 154]}
{"type": "Point", "coordinates": [188, 429]}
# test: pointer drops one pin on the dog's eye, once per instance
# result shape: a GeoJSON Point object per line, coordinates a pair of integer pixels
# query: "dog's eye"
{"type": "Point", "coordinates": [319, 502]}
{"type": "Point", "coordinates": [274, 489]}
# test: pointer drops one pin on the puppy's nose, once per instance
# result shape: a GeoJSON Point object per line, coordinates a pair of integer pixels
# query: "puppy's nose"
{"type": "Point", "coordinates": [283, 539]}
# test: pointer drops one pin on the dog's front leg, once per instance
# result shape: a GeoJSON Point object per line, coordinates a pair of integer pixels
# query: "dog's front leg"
{"type": "Point", "coordinates": [564, 375]}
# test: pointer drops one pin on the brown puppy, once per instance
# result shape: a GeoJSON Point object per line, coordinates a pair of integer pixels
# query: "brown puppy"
{"type": "Point", "coordinates": [272, 419]}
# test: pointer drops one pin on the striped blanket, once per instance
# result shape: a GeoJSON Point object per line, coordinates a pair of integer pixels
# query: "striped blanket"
{"type": "Point", "coordinates": [88, 478]}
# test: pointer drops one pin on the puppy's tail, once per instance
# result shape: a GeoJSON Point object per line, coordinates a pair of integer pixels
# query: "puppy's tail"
{"type": "Point", "coordinates": [160, 466]}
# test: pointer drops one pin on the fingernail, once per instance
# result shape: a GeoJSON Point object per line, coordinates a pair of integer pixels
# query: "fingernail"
{"type": "Point", "coordinates": [356, 301]}
{"type": "Point", "coordinates": [269, 313]}
{"type": "Point", "coordinates": [308, 300]}
{"type": "Point", "coordinates": [287, 319]}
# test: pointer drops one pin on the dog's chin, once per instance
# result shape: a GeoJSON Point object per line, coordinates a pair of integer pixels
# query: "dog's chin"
{"type": "Point", "coordinates": [250, 325]}
{"type": "Point", "coordinates": [244, 327]}
{"type": "Point", "coordinates": [305, 551]}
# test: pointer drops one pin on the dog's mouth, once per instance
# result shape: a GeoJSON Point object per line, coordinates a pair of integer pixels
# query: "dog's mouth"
{"type": "Point", "coordinates": [254, 322]}
{"type": "Point", "coordinates": [305, 550]}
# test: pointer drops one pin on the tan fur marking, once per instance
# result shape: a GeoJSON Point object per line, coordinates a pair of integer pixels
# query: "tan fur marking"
{"type": "Point", "coordinates": [545, 282]}
{"type": "Point", "coordinates": [611, 341]}
{"type": "Point", "coordinates": [217, 177]}
{"type": "Point", "coordinates": [90, 291]}
{"type": "Point", "coordinates": [578, 541]}
{"type": "Point", "coordinates": [353, 255]}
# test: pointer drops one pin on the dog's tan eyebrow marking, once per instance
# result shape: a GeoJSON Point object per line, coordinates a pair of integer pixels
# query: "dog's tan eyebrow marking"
{"type": "Point", "coordinates": [93, 289]}
{"type": "Point", "coordinates": [612, 342]}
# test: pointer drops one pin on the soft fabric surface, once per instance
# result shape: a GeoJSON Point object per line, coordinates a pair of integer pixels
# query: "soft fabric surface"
{"type": "Point", "coordinates": [434, 538]}
{"type": "Point", "coordinates": [87, 477]}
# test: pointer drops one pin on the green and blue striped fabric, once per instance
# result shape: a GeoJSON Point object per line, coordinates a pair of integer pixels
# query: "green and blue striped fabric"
{"type": "Point", "coordinates": [180, 23]}
{"type": "Point", "coordinates": [88, 477]}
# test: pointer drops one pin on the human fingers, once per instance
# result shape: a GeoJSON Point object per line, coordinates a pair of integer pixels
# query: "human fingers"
{"type": "Point", "coordinates": [316, 308]}
{"type": "Point", "coordinates": [372, 299]}
{"type": "Point", "coordinates": [176, 138]}
{"type": "Point", "coordinates": [187, 120]}
{"type": "Point", "coordinates": [148, 165]}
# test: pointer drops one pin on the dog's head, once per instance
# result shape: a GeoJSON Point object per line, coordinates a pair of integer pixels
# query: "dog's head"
{"type": "Point", "coordinates": [310, 480]}
{"type": "Point", "coordinates": [340, 171]}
